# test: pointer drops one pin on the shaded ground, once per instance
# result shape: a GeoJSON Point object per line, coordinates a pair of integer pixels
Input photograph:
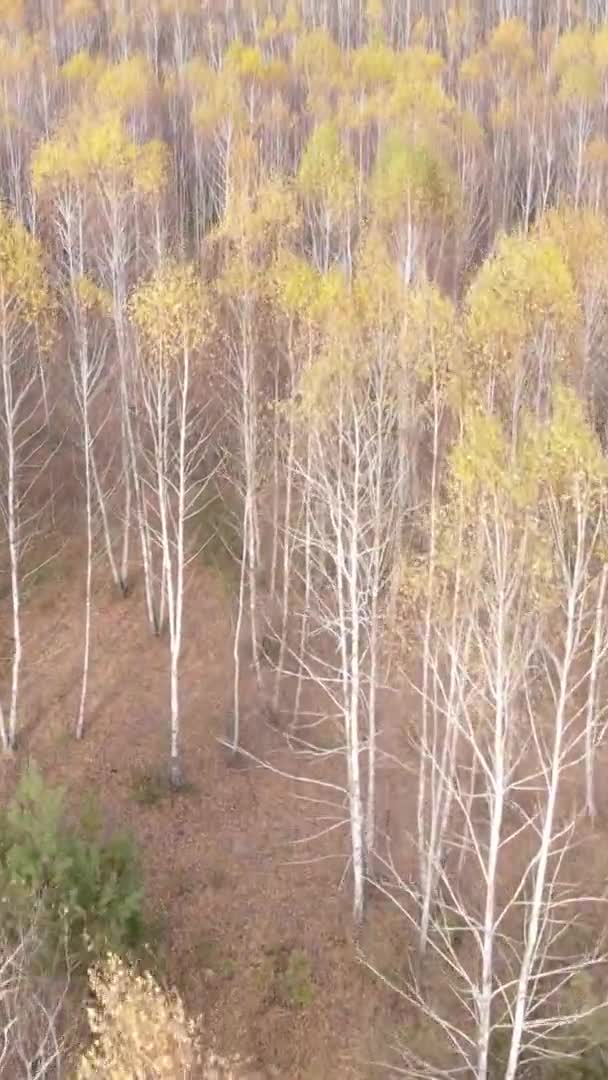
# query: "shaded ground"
{"type": "Point", "coordinates": [248, 935]}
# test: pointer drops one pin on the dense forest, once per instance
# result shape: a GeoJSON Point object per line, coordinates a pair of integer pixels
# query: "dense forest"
{"type": "Point", "coordinates": [304, 318]}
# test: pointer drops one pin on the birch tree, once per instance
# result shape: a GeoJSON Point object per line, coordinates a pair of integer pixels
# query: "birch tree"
{"type": "Point", "coordinates": [171, 316]}
{"type": "Point", "coordinates": [350, 471]}
{"type": "Point", "coordinates": [504, 919]}
{"type": "Point", "coordinates": [25, 312]}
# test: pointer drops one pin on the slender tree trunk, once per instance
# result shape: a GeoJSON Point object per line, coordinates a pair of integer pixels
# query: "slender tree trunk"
{"type": "Point", "coordinates": [13, 540]}
{"type": "Point", "coordinates": [236, 651]}
{"type": "Point", "coordinates": [286, 568]}
{"type": "Point", "coordinates": [536, 912]}
{"type": "Point", "coordinates": [84, 390]}
{"type": "Point", "coordinates": [598, 648]}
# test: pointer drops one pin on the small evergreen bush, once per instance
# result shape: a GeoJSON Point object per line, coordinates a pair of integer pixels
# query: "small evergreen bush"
{"type": "Point", "coordinates": [83, 887]}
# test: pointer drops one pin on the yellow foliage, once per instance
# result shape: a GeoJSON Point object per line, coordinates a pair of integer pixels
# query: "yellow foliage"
{"type": "Point", "coordinates": [92, 297]}
{"type": "Point", "coordinates": [126, 84]}
{"type": "Point", "coordinates": [410, 176]}
{"type": "Point", "coordinates": [581, 84]}
{"type": "Point", "coordinates": [291, 22]}
{"type": "Point", "coordinates": [151, 167]}
{"type": "Point", "coordinates": [510, 42]}
{"type": "Point", "coordinates": [481, 463]}
{"type": "Point", "coordinates": [379, 290]}
{"type": "Point", "coordinates": [23, 281]}
{"type": "Point", "coordinates": [582, 237]}
{"type": "Point", "coordinates": [82, 67]}
{"type": "Point", "coordinates": [318, 57]}
{"type": "Point", "coordinates": [245, 60]}
{"type": "Point", "coordinates": [374, 65]}
{"type": "Point", "coordinates": [573, 48]}
{"type": "Point", "coordinates": [326, 171]}
{"type": "Point", "coordinates": [295, 284]}
{"type": "Point", "coordinates": [476, 68]}
{"type": "Point", "coordinates": [566, 454]}
{"type": "Point", "coordinates": [221, 102]}
{"type": "Point", "coordinates": [55, 161]}
{"type": "Point", "coordinates": [258, 220]}
{"type": "Point", "coordinates": [103, 144]}
{"type": "Point", "coordinates": [429, 335]}
{"type": "Point", "coordinates": [140, 1031]}
{"type": "Point", "coordinates": [170, 312]}
{"type": "Point", "coordinates": [526, 285]}
{"type": "Point", "coordinates": [600, 47]}
{"type": "Point", "coordinates": [90, 147]}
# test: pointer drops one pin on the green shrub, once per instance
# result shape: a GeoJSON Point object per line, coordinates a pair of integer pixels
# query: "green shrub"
{"type": "Point", "coordinates": [81, 885]}
{"type": "Point", "coordinates": [296, 980]}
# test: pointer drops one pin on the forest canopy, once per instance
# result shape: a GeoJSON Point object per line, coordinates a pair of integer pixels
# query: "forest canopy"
{"type": "Point", "coordinates": [323, 284]}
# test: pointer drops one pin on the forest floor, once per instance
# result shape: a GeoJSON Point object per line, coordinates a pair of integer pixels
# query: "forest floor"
{"type": "Point", "coordinates": [254, 929]}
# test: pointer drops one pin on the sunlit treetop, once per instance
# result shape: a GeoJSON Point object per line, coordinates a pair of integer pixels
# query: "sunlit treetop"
{"type": "Point", "coordinates": [90, 147]}
{"type": "Point", "coordinates": [336, 363]}
{"type": "Point", "coordinates": [459, 23]}
{"type": "Point", "coordinates": [418, 98]}
{"type": "Point", "coordinates": [327, 172]}
{"type": "Point", "coordinates": [221, 104]}
{"type": "Point", "coordinates": [565, 455]}
{"type": "Point", "coordinates": [510, 46]}
{"type": "Point", "coordinates": [582, 237]}
{"type": "Point", "coordinates": [82, 67]}
{"type": "Point", "coordinates": [421, 65]}
{"type": "Point", "coordinates": [23, 280]}
{"type": "Point", "coordinates": [429, 336]}
{"type": "Point", "coordinates": [259, 217]}
{"type": "Point", "coordinates": [296, 285]}
{"type": "Point", "coordinates": [410, 176]}
{"type": "Point", "coordinates": [476, 68]}
{"type": "Point", "coordinates": [481, 462]}
{"type": "Point", "coordinates": [318, 59]}
{"type": "Point", "coordinates": [91, 297]}
{"type": "Point", "coordinates": [600, 48]}
{"type": "Point", "coordinates": [259, 221]}
{"type": "Point", "coordinates": [171, 312]}
{"type": "Point", "coordinates": [246, 61]}
{"type": "Point", "coordinates": [573, 47]}
{"type": "Point", "coordinates": [55, 162]}
{"type": "Point", "coordinates": [126, 84]}
{"type": "Point", "coordinates": [373, 66]}
{"type": "Point", "coordinates": [574, 64]}
{"type": "Point", "coordinates": [557, 464]}
{"type": "Point", "coordinates": [525, 287]}
{"type": "Point", "coordinates": [581, 84]}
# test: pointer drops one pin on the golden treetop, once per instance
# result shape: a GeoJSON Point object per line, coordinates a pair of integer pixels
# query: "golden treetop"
{"type": "Point", "coordinates": [170, 312]}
